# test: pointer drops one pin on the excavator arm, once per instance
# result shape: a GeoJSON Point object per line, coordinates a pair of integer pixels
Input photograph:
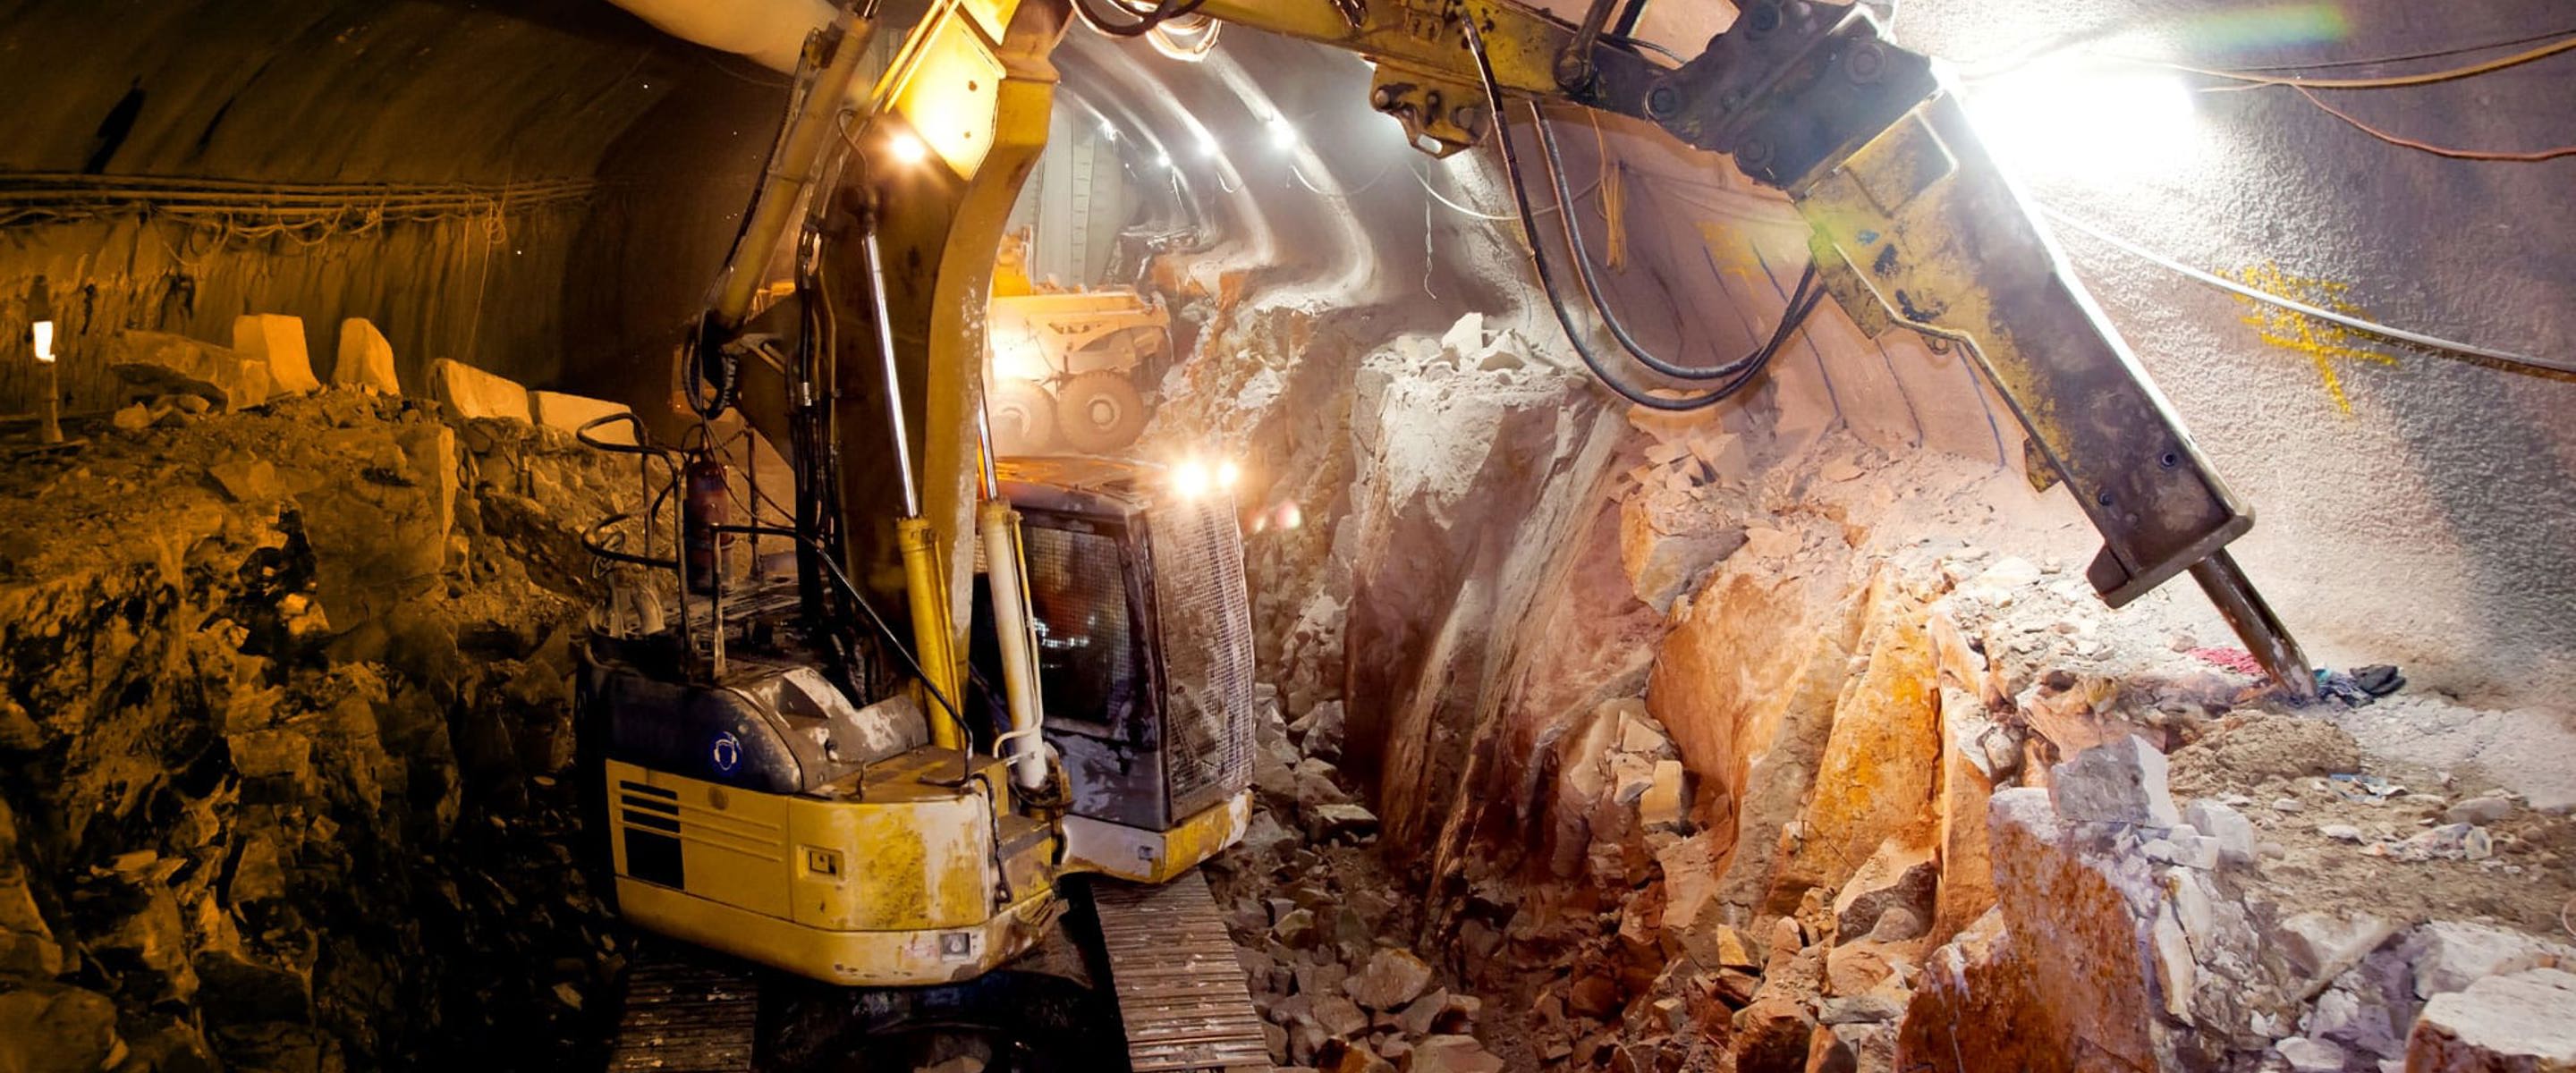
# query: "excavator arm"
{"type": "Point", "coordinates": [1914, 225]}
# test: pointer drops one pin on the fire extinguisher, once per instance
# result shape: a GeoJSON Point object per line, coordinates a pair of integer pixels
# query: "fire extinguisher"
{"type": "Point", "coordinates": [708, 496]}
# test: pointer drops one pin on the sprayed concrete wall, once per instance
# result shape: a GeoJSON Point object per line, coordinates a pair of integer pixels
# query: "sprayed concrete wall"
{"type": "Point", "coordinates": [504, 188]}
{"type": "Point", "coordinates": [2411, 507]}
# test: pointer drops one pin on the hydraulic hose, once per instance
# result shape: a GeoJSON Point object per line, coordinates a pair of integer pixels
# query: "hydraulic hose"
{"type": "Point", "coordinates": [1554, 162]}
{"type": "Point", "coordinates": [1801, 301]}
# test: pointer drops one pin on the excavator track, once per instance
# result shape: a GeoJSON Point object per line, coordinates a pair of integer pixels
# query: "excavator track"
{"type": "Point", "coordinates": [1180, 987]}
{"type": "Point", "coordinates": [684, 1016]}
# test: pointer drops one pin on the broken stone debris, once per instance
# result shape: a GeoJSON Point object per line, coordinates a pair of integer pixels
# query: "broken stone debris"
{"type": "Point", "coordinates": [240, 913]}
{"type": "Point", "coordinates": [157, 364]}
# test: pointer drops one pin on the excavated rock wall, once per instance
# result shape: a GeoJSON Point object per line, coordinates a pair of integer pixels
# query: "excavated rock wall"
{"type": "Point", "coordinates": [1710, 746]}
{"type": "Point", "coordinates": [285, 713]}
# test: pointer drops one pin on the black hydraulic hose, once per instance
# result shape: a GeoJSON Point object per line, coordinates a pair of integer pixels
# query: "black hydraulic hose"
{"type": "Point", "coordinates": [1164, 10]}
{"type": "Point", "coordinates": [1800, 302]}
{"type": "Point", "coordinates": [1554, 163]}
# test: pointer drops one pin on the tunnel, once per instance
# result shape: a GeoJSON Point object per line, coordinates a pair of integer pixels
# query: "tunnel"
{"type": "Point", "coordinates": [1380, 536]}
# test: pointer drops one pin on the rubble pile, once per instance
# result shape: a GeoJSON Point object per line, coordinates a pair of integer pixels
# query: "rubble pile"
{"type": "Point", "coordinates": [285, 710]}
{"type": "Point", "coordinates": [1320, 926]}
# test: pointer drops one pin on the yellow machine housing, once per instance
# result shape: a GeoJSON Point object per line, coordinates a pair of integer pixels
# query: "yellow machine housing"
{"type": "Point", "coordinates": [767, 818]}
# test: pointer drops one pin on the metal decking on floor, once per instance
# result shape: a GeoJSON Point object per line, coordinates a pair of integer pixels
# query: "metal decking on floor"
{"type": "Point", "coordinates": [1180, 987]}
{"type": "Point", "coordinates": [685, 1017]}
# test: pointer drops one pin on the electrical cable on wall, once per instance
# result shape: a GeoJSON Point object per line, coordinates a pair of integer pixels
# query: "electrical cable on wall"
{"type": "Point", "coordinates": [2213, 279]}
{"type": "Point", "coordinates": [2406, 57]}
{"type": "Point", "coordinates": [2425, 78]}
{"type": "Point", "coordinates": [2532, 156]}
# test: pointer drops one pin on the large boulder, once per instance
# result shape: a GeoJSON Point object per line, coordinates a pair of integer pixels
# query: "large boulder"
{"type": "Point", "coordinates": [473, 393]}
{"type": "Point", "coordinates": [1668, 541]}
{"type": "Point", "coordinates": [1392, 979]}
{"type": "Point", "coordinates": [1747, 684]}
{"type": "Point", "coordinates": [2119, 781]}
{"type": "Point", "coordinates": [364, 359]}
{"type": "Point", "coordinates": [158, 363]}
{"type": "Point", "coordinates": [27, 946]}
{"type": "Point", "coordinates": [2523, 1023]}
{"type": "Point", "coordinates": [1967, 884]}
{"type": "Point", "coordinates": [277, 341]}
{"type": "Point", "coordinates": [555, 409]}
{"type": "Point", "coordinates": [2069, 972]}
{"type": "Point", "coordinates": [49, 1028]}
{"type": "Point", "coordinates": [1978, 1008]}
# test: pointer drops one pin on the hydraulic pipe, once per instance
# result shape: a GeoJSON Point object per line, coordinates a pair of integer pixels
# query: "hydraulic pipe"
{"type": "Point", "coordinates": [1014, 627]}
{"type": "Point", "coordinates": [792, 169]}
{"type": "Point", "coordinates": [925, 584]}
{"type": "Point", "coordinates": [1011, 626]}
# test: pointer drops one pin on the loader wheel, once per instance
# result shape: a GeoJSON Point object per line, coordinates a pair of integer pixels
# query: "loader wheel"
{"type": "Point", "coordinates": [1023, 418]}
{"type": "Point", "coordinates": [1099, 412]}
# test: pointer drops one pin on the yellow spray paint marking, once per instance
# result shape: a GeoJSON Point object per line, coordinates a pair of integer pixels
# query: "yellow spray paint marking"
{"type": "Point", "coordinates": [2322, 341]}
{"type": "Point", "coordinates": [1730, 250]}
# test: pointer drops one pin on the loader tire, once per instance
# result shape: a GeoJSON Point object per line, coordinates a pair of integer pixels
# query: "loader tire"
{"type": "Point", "coordinates": [1099, 412]}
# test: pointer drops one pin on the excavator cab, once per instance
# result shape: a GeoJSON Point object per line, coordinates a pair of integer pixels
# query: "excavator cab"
{"type": "Point", "coordinates": [1144, 654]}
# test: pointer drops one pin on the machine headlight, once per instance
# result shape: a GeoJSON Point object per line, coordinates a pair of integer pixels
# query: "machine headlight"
{"type": "Point", "coordinates": [1192, 479]}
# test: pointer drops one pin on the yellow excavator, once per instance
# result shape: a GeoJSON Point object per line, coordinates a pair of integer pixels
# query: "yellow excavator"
{"type": "Point", "coordinates": [863, 774]}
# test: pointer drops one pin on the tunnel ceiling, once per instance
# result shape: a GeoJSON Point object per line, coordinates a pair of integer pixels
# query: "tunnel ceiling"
{"type": "Point", "coordinates": [359, 91]}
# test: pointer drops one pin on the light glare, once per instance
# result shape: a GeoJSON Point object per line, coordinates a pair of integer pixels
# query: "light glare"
{"type": "Point", "coordinates": [2065, 117]}
{"type": "Point", "coordinates": [1227, 473]}
{"type": "Point", "coordinates": [907, 148]}
{"type": "Point", "coordinates": [1283, 134]}
{"type": "Point", "coordinates": [1191, 478]}
{"type": "Point", "coordinates": [1207, 144]}
{"type": "Point", "coordinates": [44, 335]}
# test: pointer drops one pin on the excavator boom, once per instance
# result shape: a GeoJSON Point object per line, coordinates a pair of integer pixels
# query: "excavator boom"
{"type": "Point", "coordinates": [1915, 225]}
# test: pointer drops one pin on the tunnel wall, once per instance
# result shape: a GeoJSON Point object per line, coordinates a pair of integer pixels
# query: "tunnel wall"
{"type": "Point", "coordinates": [464, 176]}
{"type": "Point", "coordinates": [2412, 507]}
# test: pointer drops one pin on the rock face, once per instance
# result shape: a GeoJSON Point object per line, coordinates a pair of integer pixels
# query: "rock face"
{"type": "Point", "coordinates": [278, 342]}
{"type": "Point", "coordinates": [364, 359]}
{"type": "Point", "coordinates": [157, 363]}
{"type": "Point", "coordinates": [1872, 782]}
